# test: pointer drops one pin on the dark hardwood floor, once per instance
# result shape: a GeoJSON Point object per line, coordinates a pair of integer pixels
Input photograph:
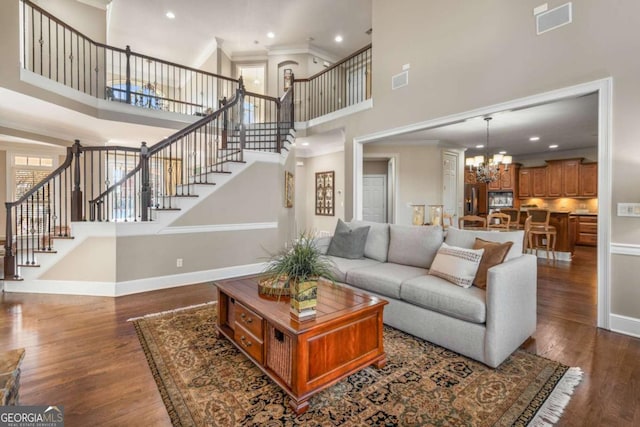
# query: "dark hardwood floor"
{"type": "Point", "coordinates": [82, 353]}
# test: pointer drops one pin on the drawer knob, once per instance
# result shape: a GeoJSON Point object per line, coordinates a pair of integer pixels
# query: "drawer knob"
{"type": "Point", "coordinates": [243, 315]}
{"type": "Point", "coordinates": [245, 342]}
{"type": "Point", "coordinates": [249, 320]}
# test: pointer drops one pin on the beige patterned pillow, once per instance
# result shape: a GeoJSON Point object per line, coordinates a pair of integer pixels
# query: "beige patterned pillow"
{"type": "Point", "coordinates": [456, 265]}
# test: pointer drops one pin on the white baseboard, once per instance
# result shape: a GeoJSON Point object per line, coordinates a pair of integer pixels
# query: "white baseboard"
{"type": "Point", "coordinates": [155, 283]}
{"type": "Point", "coordinates": [111, 289]}
{"type": "Point", "coordinates": [624, 325]}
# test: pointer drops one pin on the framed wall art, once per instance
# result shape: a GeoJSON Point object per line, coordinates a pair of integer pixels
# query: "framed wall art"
{"type": "Point", "coordinates": [288, 189]}
{"type": "Point", "coordinates": [325, 191]}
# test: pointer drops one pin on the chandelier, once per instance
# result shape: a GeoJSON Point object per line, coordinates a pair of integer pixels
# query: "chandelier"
{"type": "Point", "coordinates": [488, 168]}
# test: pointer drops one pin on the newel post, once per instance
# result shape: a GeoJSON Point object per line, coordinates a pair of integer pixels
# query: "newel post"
{"type": "Point", "coordinates": [128, 73]}
{"type": "Point", "coordinates": [225, 122]}
{"type": "Point", "coordinates": [279, 124]}
{"type": "Point", "coordinates": [145, 193]}
{"type": "Point", "coordinates": [292, 117]}
{"type": "Point", "coordinates": [9, 256]}
{"type": "Point", "coordinates": [243, 129]}
{"type": "Point", "coordinates": [76, 193]}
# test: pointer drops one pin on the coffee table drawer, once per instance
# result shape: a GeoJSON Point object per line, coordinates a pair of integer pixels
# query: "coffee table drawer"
{"type": "Point", "coordinates": [249, 343]}
{"type": "Point", "coordinates": [249, 320]}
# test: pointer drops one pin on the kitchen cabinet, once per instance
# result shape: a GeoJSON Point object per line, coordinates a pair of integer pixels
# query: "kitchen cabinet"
{"type": "Point", "coordinates": [587, 232]}
{"type": "Point", "coordinates": [563, 178]}
{"type": "Point", "coordinates": [588, 180]}
{"type": "Point", "coordinates": [539, 182]}
{"type": "Point", "coordinates": [507, 179]}
{"type": "Point", "coordinates": [554, 179]}
{"type": "Point", "coordinates": [532, 182]}
{"type": "Point", "coordinates": [524, 183]}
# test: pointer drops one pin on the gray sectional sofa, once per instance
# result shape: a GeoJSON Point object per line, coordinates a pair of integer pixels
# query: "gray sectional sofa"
{"type": "Point", "coordinates": [485, 325]}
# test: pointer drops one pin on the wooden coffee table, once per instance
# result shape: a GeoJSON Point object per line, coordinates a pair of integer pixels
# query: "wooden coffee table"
{"type": "Point", "coordinates": [306, 357]}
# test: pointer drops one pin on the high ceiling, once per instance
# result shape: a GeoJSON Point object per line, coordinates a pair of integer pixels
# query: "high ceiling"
{"type": "Point", "coordinates": [570, 124]}
{"type": "Point", "coordinates": [241, 26]}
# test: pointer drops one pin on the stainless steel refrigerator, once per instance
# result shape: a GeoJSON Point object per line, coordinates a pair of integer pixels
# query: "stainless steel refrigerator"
{"type": "Point", "coordinates": [475, 199]}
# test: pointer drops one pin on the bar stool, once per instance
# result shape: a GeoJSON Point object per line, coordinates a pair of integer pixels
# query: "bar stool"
{"type": "Point", "coordinates": [537, 225]}
{"type": "Point", "coordinates": [498, 221]}
{"type": "Point", "coordinates": [514, 214]}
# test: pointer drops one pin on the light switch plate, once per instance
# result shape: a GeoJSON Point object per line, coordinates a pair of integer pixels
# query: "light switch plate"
{"type": "Point", "coordinates": [629, 209]}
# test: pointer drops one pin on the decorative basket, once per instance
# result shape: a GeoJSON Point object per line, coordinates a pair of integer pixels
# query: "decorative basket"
{"type": "Point", "coordinates": [274, 287]}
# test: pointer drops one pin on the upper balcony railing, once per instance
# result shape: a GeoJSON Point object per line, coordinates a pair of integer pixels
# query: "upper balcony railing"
{"type": "Point", "coordinates": [345, 83]}
{"type": "Point", "coordinates": [57, 51]}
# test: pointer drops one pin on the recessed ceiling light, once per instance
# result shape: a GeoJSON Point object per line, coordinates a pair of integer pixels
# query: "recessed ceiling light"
{"type": "Point", "coordinates": [304, 144]}
{"type": "Point", "coordinates": [553, 146]}
{"type": "Point", "coordinates": [480, 146]}
{"type": "Point", "coordinates": [170, 15]}
{"type": "Point", "coordinates": [534, 138]}
{"type": "Point", "coordinates": [270, 34]}
{"type": "Point", "coordinates": [502, 152]}
{"type": "Point", "coordinates": [338, 38]}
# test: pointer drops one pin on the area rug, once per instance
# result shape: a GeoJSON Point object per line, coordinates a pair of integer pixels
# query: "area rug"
{"type": "Point", "coordinates": [206, 381]}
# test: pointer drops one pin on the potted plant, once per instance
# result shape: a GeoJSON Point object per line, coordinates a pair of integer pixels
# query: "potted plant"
{"type": "Point", "coordinates": [295, 271]}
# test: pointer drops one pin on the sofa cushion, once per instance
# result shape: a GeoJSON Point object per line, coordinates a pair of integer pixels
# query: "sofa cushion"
{"type": "Point", "coordinates": [494, 254]}
{"type": "Point", "coordinates": [383, 279]}
{"type": "Point", "coordinates": [456, 265]}
{"type": "Point", "coordinates": [341, 266]}
{"type": "Point", "coordinates": [348, 242]}
{"type": "Point", "coordinates": [414, 245]}
{"type": "Point", "coordinates": [377, 246]}
{"type": "Point", "coordinates": [467, 238]}
{"type": "Point", "coordinates": [436, 294]}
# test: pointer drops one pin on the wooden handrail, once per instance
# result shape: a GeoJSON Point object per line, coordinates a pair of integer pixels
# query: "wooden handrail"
{"type": "Point", "coordinates": [337, 64]}
{"type": "Point", "coordinates": [35, 188]}
{"type": "Point", "coordinates": [121, 50]}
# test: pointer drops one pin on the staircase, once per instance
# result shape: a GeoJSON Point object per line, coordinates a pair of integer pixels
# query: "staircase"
{"type": "Point", "coordinates": [143, 193]}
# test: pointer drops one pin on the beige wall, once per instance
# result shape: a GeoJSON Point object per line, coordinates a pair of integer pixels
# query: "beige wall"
{"type": "Point", "coordinates": [89, 20]}
{"type": "Point", "coordinates": [374, 167]}
{"type": "Point", "coordinates": [419, 172]}
{"type": "Point", "coordinates": [141, 257]}
{"type": "Point", "coordinates": [255, 195]}
{"type": "Point", "coordinates": [306, 179]}
{"type": "Point", "coordinates": [94, 260]}
{"type": "Point", "coordinates": [624, 268]}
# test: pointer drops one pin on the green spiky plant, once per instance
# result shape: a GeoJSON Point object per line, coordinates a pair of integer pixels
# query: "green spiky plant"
{"type": "Point", "coordinates": [301, 262]}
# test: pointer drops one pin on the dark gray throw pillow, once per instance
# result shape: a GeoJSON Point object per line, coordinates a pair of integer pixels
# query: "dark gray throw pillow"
{"type": "Point", "coordinates": [348, 242]}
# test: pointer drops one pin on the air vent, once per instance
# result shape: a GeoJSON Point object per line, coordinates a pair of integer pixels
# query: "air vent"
{"type": "Point", "coordinates": [400, 80]}
{"type": "Point", "coordinates": [554, 18]}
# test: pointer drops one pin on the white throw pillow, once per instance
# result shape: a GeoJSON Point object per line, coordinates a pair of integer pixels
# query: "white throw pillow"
{"type": "Point", "coordinates": [456, 265]}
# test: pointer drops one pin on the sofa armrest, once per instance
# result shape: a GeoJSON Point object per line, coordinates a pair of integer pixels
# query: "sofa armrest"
{"type": "Point", "coordinates": [322, 243]}
{"type": "Point", "coordinates": [511, 307]}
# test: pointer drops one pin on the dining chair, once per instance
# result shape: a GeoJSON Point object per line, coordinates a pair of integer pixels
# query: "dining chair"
{"type": "Point", "coordinates": [498, 221]}
{"type": "Point", "coordinates": [514, 214]}
{"type": "Point", "coordinates": [475, 219]}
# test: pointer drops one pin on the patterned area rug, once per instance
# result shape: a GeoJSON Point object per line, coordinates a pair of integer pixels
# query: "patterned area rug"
{"type": "Point", "coordinates": [204, 380]}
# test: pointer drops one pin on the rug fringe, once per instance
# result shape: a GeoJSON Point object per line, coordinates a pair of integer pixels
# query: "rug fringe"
{"type": "Point", "coordinates": [171, 311]}
{"type": "Point", "coordinates": [554, 406]}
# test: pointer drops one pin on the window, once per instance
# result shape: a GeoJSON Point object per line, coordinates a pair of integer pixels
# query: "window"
{"type": "Point", "coordinates": [29, 170]}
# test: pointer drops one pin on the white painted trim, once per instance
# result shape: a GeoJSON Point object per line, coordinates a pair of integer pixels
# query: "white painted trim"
{"type": "Point", "coordinates": [625, 249]}
{"type": "Point", "coordinates": [560, 256]}
{"type": "Point", "coordinates": [604, 88]}
{"type": "Point", "coordinates": [98, 4]}
{"type": "Point", "coordinates": [625, 325]}
{"type": "Point", "coordinates": [395, 161]}
{"type": "Point", "coordinates": [305, 154]}
{"type": "Point", "coordinates": [112, 289]}
{"type": "Point", "coordinates": [343, 112]}
{"type": "Point", "coordinates": [185, 279]}
{"type": "Point", "coordinates": [214, 228]}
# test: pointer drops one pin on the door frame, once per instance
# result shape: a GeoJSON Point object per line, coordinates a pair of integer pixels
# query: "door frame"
{"type": "Point", "coordinates": [386, 192]}
{"type": "Point", "coordinates": [604, 89]}
{"type": "Point", "coordinates": [393, 185]}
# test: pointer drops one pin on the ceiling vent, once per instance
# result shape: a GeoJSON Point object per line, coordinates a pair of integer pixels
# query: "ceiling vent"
{"type": "Point", "coordinates": [554, 18]}
{"type": "Point", "coordinates": [400, 80]}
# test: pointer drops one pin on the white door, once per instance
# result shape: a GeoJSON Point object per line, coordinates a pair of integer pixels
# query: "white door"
{"type": "Point", "coordinates": [374, 203]}
{"type": "Point", "coordinates": [450, 183]}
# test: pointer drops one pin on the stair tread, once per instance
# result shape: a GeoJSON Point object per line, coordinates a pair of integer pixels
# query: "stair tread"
{"type": "Point", "coordinates": [44, 251]}
{"type": "Point", "coordinates": [166, 209]}
{"type": "Point", "coordinates": [28, 265]}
